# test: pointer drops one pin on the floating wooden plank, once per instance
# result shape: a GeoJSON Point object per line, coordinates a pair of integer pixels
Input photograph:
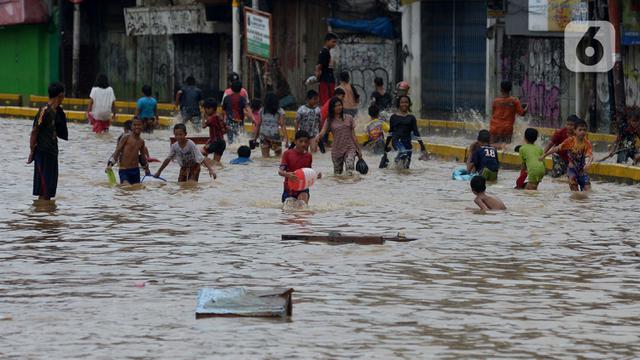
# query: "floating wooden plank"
{"type": "Point", "coordinates": [242, 302]}
{"type": "Point", "coordinates": [348, 239]}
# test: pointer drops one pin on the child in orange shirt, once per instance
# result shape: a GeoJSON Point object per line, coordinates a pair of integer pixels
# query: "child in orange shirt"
{"type": "Point", "coordinates": [580, 154]}
{"type": "Point", "coordinates": [504, 110]}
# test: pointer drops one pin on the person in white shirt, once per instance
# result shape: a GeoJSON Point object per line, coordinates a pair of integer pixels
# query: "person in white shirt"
{"type": "Point", "coordinates": [102, 105]}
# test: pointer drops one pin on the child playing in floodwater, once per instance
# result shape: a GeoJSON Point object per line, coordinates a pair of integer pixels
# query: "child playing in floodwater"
{"type": "Point", "coordinates": [147, 110]}
{"type": "Point", "coordinates": [626, 146]}
{"type": "Point", "coordinates": [504, 110]}
{"type": "Point", "coordinates": [217, 128]}
{"type": "Point", "coordinates": [308, 118]}
{"type": "Point", "coordinates": [272, 129]}
{"type": "Point", "coordinates": [580, 153]}
{"type": "Point", "coordinates": [188, 156]}
{"type": "Point", "coordinates": [484, 160]}
{"type": "Point", "coordinates": [376, 129]}
{"type": "Point", "coordinates": [130, 150]}
{"type": "Point", "coordinates": [292, 160]}
{"type": "Point", "coordinates": [521, 181]}
{"type": "Point", "coordinates": [484, 201]}
{"type": "Point", "coordinates": [244, 156]}
{"type": "Point", "coordinates": [530, 156]}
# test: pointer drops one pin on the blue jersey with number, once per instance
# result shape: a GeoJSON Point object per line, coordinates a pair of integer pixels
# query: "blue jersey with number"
{"type": "Point", "coordinates": [486, 157]}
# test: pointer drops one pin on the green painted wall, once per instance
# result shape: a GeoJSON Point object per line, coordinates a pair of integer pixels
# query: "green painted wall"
{"type": "Point", "coordinates": [29, 59]}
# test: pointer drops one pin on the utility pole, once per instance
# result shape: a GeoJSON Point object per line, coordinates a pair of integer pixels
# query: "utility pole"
{"type": "Point", "coordinates": [235, 29]}
{"type": "Point", "coordinates": [618, 79]}
{"type": "Point", "coordinates": [75, 65]}
{"type": "Point", "coordinates": [255, 4]}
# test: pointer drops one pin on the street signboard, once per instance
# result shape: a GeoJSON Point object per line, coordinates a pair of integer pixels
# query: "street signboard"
{"type": "Point", "coordinates": [257, 30]}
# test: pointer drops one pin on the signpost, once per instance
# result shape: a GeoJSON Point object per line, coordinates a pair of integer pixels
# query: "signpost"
{"type": "Point", "coordinates": [257, 31]}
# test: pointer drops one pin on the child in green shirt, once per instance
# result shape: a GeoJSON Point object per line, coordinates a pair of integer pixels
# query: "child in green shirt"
{"type": "Point", "coordinates": [530, 155]}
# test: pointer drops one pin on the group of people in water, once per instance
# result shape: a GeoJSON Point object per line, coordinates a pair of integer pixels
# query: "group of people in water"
{"type": "Point", "coordinates": [329, 110]}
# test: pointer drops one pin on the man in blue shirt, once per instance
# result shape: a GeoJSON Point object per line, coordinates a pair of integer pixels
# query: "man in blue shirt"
{"type": "Point", "coordinates": [147, 110]}
{"type": "Point", "coordinates": [189, 98]}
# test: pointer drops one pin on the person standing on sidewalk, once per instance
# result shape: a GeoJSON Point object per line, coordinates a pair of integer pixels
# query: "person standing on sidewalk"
{"type": "Point", "coordinates": [324, 69]}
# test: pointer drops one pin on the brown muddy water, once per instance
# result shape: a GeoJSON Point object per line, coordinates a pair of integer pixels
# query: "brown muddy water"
{"type": "Point", "coordinates": [554, 276]}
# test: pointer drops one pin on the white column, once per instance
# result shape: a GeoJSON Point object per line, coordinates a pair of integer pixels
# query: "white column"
{"type": "Point", "coordinates": [411, 41]}
{"type": "Point", "coordinates": [579, 100]}
{"type": "Point", "coordinates": [235, 21]}
{"type": "Point", "coordinates": [490, 71]}
{"type": "Point", "coordinates": [75, 60]}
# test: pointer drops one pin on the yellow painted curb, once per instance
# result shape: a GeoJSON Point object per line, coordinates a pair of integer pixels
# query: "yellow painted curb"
{"type": "Point", "coordinates": [18, 111]}
{"type": "Point", "coordinates": [605, 170]}
{"type": "Point", "coordinates": [12, 97]}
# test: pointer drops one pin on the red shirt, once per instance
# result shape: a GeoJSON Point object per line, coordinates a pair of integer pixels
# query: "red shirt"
{"type": "Point", "coordinates": [324, 113]}
{"type": "Point", "coordinates": [504, 115]}
{"type": "Point", "coordinates": [293, 160]}
{"type": "Point", "coordinates": [558, 138]}
{"type": "Point", "coordinates": [217, 128]}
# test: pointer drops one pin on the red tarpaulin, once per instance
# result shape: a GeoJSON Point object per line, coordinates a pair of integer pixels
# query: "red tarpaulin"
{"type": "Point", "coordinates": [14, 12]}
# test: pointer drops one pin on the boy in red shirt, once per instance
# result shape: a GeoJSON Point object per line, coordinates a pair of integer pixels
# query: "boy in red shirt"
{"type": "Point", "coordinates": [292, 160]}
{"type": "Point", "coordinates": [217, 128]}
{"type": "Point", "coordinates": [561, 159]}
{"type": "Point", "coordinates": [504, 110]}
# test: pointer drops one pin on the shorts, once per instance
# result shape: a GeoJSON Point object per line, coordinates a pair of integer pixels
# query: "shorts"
{"type": "Point", "coordinates": [132, 176]}
{"type": "Point", "coordinates": [100, 126]}
{"type": "Point", "coordinates": [625, 155]}
{"type": "Point", "coordinates": [376, 146]}
{"type": "Point", "coordinates": [346, 161]}
{"type": "Point", "coordinates": [148, 124]}
{"type": "Point", "coordinates": [275, 145]}
{"type": "Point", "coordinates": [189, 173]}
{"type": "Point", "coordinates": [492, 175]}
{"type": "Point", "coordinates": [536, 176]}
{"type": "Point", "coordinates": [217, 147]}
{"type": "Point", "coordinates": [577, 179]}
{"type": "Point", "coordinates": [45, 174]}
{"type": "Point", "coordinates": [234, 128]}
{"type": "Point", "coordinates": [293, 194]}
{"type": "Point", "coordinates": [501, 138]}
{"type": "Point", "coordinates": [405, 152]}
{"type": "Point", "coordinates": [195, 119]}
{"type": "Point", "coordinates": [559, 167]}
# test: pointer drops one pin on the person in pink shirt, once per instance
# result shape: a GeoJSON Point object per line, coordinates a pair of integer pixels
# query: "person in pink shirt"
{"type": "Point", "coordinates": [233, 77]}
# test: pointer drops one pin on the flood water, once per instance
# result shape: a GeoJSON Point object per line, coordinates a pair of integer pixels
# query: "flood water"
{"type": "Point", "coordinates": [554, 276]}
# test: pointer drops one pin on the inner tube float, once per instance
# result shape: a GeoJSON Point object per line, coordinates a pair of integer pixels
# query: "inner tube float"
{"type": "Point", "coordinates": [461, 173]}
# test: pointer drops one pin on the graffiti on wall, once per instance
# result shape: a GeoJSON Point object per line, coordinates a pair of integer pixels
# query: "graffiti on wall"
{"type": "Point", "coordinates": [184, 19]}
{"type": "Point", "coordinates": [631, 63]}
{"type": "Point", "coordinates": [534, 67]}
{"type": "Point", "coordinates": [366, 58]}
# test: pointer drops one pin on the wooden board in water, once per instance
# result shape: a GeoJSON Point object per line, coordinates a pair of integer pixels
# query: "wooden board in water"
{"type": "Point", "coordinates": [347, 239]}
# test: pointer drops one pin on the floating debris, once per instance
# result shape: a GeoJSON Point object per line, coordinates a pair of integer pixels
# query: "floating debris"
{"type": "Point", "coordinates": [242, 302]}
{"type": "Point", "coordinates": [337, 238]}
